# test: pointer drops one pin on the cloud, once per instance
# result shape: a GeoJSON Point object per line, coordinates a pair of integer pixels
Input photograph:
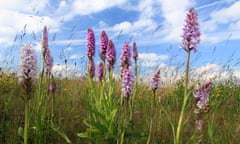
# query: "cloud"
{"type": "Point", "coordinates": [215, 72]}
{"type": "Point", "coordinates": [151, 59]}
{"type": "Point", "coordinates": [208, 68]}
{"type": "Point", "coordinates": [85, 7]}
{"type": "Point", "coordinates": [143, 25]}
{"type": "Point", "coordinates": [139, 26]}
{"type": "Point", "coordinates": [68, 50]}
{"type": "Point", "coordinates": [125, 27]}
{"type": "Point", "coordinates": [227, 17]}
{"type": "Point", "coordinates": [23, 19]}
{"type": "Point", "coordinates": [24, 5]}
{"type": "Point", "coordinates": [70, 42]}
{"type": "Point", "coordinates": [235, 25]}
{"type": "Point", "coordinates": [74, 57]}
{"type": "Point", "coordinates": [152, 56]}
{"type": "Point", "coordinates": [92, 6]}
{"type": "Point", "coordinates": [173, 13]}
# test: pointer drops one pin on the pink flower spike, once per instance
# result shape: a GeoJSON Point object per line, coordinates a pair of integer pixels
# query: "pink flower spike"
{"type": "Point", "coordinates": [135, 52]}
{"type": "Point", "coordinates": [46, 54]}
{"type": "Point", "coordinates": [90, 44]}
{"type": "Point", "coordinates": [125, 58]}
{"type": "Point", "coordinates": [111, 55]}
{"type": "Point", "coordinates": [155, 82]}
{"type": "Point", "coordinates": [127, 82]}
{"type": "Point", "coordinates": [201, 94]}
{"type": "Point", "coordinates": [191, 32]}
{"type": "Point", "coordinates": [100, 71]}
{"type": "Point", "coordinates": [103, 45]}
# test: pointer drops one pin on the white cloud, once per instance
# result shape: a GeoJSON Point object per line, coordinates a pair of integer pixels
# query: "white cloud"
{"type": "Point", "coordinates": [174, 13]}
{"type": "Point", "coordinates": [146, 9]}
{"type": "Point", "coordinates": [228, 14]}
{"type": "Point", "coordinates": [37, 46]}
{"type": "Point", "coordinates": [235, 25]}
{"type": "Point", "coordinates": [208, 68]}
{"type": "Point", "coordinates": [151, 59]}
{"type": "Point", "coordinates": [125, 27]}
{"type": "Point", "coordinates": [213, 71]}
{"type": "Point", "coordinates": [70, 42]}
{"type": "Point", "coordinates": [69, 71]}
{"type": "Point", "coordinates": [152, 56]}
{"type": "Point", "coordinates": [23, 5]}
{"type": "Point", "coordinates": [22, 14]}
{"type": "Point", "coordinates": [212, 28]}
{"type": "Point", "coordinates": [102, 24]}
{"type": "Point", "coordinates": [68, 49]}
{"type": "Point", "coordinates": [85, 7]}
{"type": "Point", "coordinates": [74, 57]}
{"type": "Point", "coordinates": [208, 26]}
{"type": "Point", "coordinates": [141, 25]}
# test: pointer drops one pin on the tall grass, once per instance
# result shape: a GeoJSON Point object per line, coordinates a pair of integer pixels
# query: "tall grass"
{"type": "Point", "coordinates": [72, 109]}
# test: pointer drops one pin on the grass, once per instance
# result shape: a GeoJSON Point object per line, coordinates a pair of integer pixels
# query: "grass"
{"type": "Point", "coordinates": [221, 123]}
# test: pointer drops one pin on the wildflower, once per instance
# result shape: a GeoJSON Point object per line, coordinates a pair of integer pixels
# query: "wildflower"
{"type": "Point", "coordinates": [100, 71]}
{"type": "Point", "coordinates": [47, 58]}
{"type": "Point", "coordinates": [191, 32]}
{"type": "Point", "coordinates": [135, 53]}
{"type": "Point", "coordinates": [52, 87]}
{"type": "Point", "coordinates": [44, 39]}
{"type": "Point", "coordinates": [28, 69]}
{"type": "Point", "coordinates": [201, 95]}
{"type": "Point", "coordinates": [155, 82]}
{"type": "Point", "coordinates": [103, 45]}
{"type": "Point", "coordinates": [160, 97]}
{"type": "Point", "coordinates": [111, 55]}
{"type": "Point", "coordinates": [90, 44]}
{"type": "Point", "coordinates": [127, 82]}
{"type": "Point", "coordinates": [91, 68]}
{"type": "Point", "coordinates": [125, 58]}
{"type": "Point", "coordinates": [199, 124]}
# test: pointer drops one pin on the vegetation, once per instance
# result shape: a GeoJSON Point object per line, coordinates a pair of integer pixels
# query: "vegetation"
{"type": "Point", "coordinates": [221, 124]}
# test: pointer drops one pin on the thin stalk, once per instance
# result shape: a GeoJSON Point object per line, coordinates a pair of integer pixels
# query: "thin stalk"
{"type": "Point", "coordinates": [40, 97]}
{"type": "Point", "coordinates": [134, 90]}
{"type": "Point", "coordinates": [26, 123]}
{"type": "Point", "coordinates": [124, 122]}
{"type": "Point", "coordinates": [150, 132]}
{"type": "Point", "coordinates": [185, 99]}
{"type": "Point", "coordinates": [170, 122]}
{"type": "Point", "coordinates": [53, 106]}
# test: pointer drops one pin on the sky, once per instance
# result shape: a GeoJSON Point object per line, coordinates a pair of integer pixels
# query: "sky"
{"type": "Point", "coordinates": [155, 26]}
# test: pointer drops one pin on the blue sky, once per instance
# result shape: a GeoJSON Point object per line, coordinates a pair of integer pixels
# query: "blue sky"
{"type": "Point", "coordinates": [155, 25]}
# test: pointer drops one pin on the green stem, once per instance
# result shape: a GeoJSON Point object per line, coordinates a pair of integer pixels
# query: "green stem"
{"type": "Point", "coordinates": [132, 98]}
{"type": "Point", "coordinates": [170, 122]}
{"type": "Point", "coordinates": [26, 123]}
{"type": "Point", "coordinates": [53, 106]}
{"type": "Point", "coordinates": [185, 99]}
{"type": "Point", "coordinates": [124, 122]}
{"type": "Point", "coordinates": [150, 132]}
{"type": "Point", "coordinates": [40, 95]}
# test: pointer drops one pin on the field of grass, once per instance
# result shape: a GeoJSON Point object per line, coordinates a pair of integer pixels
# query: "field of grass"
{"type": "Point", "coordinates": [221, 122]}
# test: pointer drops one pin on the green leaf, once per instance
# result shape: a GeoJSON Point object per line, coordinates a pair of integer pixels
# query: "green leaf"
{"type": "Point", "coordinates": [20, 131]}
{"type": "Point", "coordinates": [83, 135]}
{"type": "Point", "coordinates": [61, 133]}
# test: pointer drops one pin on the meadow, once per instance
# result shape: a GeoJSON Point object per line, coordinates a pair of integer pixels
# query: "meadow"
{"type": "Point", "coordinates": [221, 124]}
{"type": "Point", "coordinates": [101, 107]}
